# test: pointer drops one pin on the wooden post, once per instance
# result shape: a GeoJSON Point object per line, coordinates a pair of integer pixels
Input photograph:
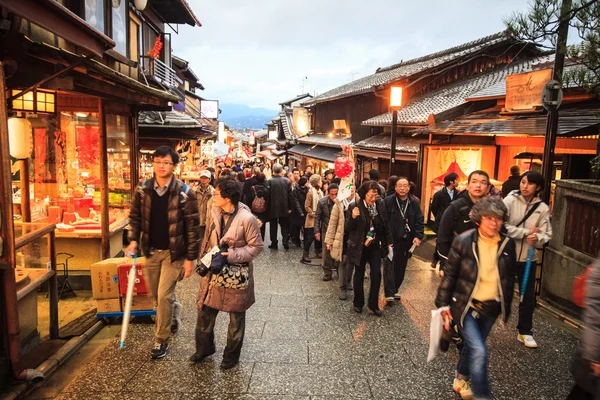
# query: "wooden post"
{"type": "Point", "coordinates": [25, 194]}
{"type": "Point", "coordinates": [393, 144]}
{"type": "Point", "coordinates": [7, 256]}
{"type": "Point", "coordinates": [53, 287]}
{"type": "Point", "coordinates": [104, 219]}
{"type": "Point", "coordinates": [134, 136]}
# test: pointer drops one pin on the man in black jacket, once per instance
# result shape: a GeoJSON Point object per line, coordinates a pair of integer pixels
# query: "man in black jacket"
{"type": "Point", "coordinates": [456, 218]}
{"type": "Point", "coordinates": [280, 206]}
{"type": "Point", "coordinates": [405, 215]}
{"type": "Point", "coordinates": [247, 194]}
{"type": "Point", "coordinates": [441, 201]}
{"type": "Point", "coordinates": [322, 216]}
{"type": "Point", "coordinates": [298, 211]}
{"type": "Point", "coordinates": [513, 182]}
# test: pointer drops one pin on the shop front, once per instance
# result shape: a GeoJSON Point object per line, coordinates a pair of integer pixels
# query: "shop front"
{"type": "Point", "coordinates": [318, 151]}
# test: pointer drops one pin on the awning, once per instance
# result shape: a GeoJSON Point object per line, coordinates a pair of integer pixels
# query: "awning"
{"type": "Point", "coordinates": [264, 153]}
{"type": "Point", "coordinates": [299, 149]}
{"type": "Point", "coordinates": [278, 153]}
{"type": "Point", "coordinates": [174, 132]}
{"type": "Point", "coordinates": [323, 153]}
{"type": "Point", "coordinates": [379, 146]}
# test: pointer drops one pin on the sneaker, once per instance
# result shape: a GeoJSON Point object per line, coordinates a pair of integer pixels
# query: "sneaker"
{"type": "Point", "coordinates": [398, 296]}
{"type": "Point", "coordinates": [176, 322]}
{"type": "Point", "coordinates": [527, 341]}
{"type": "Point", "coordinates": [462, 387]}
{"type": "Point", "coordinates": [343, 294]}
{"type": "Point", "coordinates": [389, 299]}
{"type": "Point", "coordinates": [159, 351]}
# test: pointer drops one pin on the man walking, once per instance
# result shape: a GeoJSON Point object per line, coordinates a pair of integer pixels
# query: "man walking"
{"type": "Point", "coordinates": [513, 181]}
{"type": "Point", "coordinates": [164, 220]}
{"type": "Point", "coordinates": [280, 206]}
{"type": "Point", "coordinates": [322, 216]}
{"type": "Point", "coordinates": [204, 194]}
{"type": "Point", "coordinates": [441, 200]}
{"type": "Point", "coordinates": [456, 218]}
{"type": "Point", "coordinates": [405, 215]}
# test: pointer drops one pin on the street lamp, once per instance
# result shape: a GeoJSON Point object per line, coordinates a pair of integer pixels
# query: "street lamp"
{"type": "Point", "coordinates": [395, 104]}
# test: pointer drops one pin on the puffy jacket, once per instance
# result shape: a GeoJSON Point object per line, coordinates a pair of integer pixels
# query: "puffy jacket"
{"type": "Point", "coordinates": [512, 183]}
{"type": "Point", "coordinates": [517, 206]}
{"type": "Point", "coordinates": [441, 201]}
{"type": "Point", "coordinates": [205, 200]}
{"type": "Point", "coordinates": [308, 207]}
{"type": "Point", "coordinates": [245, 244]}
{"type": "Point", "coordinates": [280, 192]}
{"type": "Point", "coordinates": [184, 223]}
{"type": "Point", "coordinates": [298, 209]}
{"type": "Point", "coordinates": [356, 228]}
{"type": "Point", "coordinates": [456, 220]}
{"type": "Point", "coordinates": [462, 275]}
{"type": "Point", "coordinates": [414, 214]}
{"type": "Point", "coordinates": [335, 231]}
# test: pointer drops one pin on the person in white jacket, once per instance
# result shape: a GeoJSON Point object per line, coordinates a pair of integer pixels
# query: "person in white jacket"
{"type": "Point", "coordinates": [529, 225]}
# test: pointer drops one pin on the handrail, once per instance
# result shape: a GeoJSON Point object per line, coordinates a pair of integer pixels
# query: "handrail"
{"type": "Point", "coordinates": [161, 72]}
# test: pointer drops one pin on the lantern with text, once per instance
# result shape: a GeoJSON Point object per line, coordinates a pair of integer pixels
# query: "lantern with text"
{"type": "Point", "coordinates": [395, 103]}
{"type": "Point", "coordinates": [19, 138]}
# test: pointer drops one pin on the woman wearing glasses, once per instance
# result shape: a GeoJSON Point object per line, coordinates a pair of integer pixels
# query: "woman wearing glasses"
{"type": "Point", "coordinates": [369, 239]}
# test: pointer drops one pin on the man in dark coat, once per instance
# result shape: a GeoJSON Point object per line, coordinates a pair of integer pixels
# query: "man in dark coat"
{"type": "Point", "coordinates": [298, 211]}
{"type": "Point", "coordinates": [513, 182]}
{"type": "Point", "coordinates": [441, 201]}
{"type": "Point", "coordinates": [322, 217]}
{"type": "Point", "coordinates": [280, 206]}
{"type": "Point", "coordinates": [456, 218]}
{"type": "Point", "coordinates": [247, 194]}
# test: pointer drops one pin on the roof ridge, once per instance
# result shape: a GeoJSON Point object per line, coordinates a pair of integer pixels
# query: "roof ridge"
{"type": "Point", "coordinates": [506, 33]}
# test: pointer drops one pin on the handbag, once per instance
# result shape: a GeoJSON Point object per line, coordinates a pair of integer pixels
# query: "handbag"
{"type": "Point", "coordinates": [488, 308]}
{"type": "Point", "coordinates": [232, 276]}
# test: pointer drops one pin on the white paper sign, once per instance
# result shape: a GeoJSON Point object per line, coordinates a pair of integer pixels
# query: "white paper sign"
{"type": "Point", "coordinates": [207, 259]}
{"type": "Point", "coordinates": [345, 187]}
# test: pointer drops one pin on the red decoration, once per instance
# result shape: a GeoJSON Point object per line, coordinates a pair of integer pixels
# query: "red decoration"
{"type": "Point", "coordinates": [155, 52]}
{"type": "Point", "coordinates": [453, 167]}
{"type": "Point", "coordinates": [343, 167]}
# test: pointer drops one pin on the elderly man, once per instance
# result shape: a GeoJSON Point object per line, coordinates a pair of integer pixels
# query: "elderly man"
{"type": "Point", "coordinates": [280, 206]}
{"type": "Point", "coordinates": [204, 196]}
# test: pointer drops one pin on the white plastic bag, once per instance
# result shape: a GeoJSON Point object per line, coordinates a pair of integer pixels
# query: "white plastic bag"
{"type": "Point", "coordinates": [435, 332]}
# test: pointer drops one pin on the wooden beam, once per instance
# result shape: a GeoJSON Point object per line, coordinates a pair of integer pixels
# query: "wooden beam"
{"type": "Point", "coordinates": [7, 232]}
{"type": "Point", "coordinates": [104, 219]}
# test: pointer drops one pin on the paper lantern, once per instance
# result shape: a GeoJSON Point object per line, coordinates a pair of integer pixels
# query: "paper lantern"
{"type": "Point", "coordinates": [19, 138]}
{"type": "Point", "coordinates": [140, 4]}
{"type": "Point", "coordinates": [343, 167]}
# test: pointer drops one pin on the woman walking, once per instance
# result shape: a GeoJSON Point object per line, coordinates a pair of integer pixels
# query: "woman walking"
{"type": "Point", "coordinates": [478, 287]}
{"type": "Point", "coordinates": [259, 207]}
{"type": "Point", "coordinates": [529, 225]}
{"type": "Point", "coordinates": [310, 205]}
{"type": "Point", "coordinates": [235, 231]}
{"type": "Point", "coordinates": [369, 239]}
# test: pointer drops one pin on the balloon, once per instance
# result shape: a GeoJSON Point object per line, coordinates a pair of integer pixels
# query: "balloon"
{"type": "Point", "coordinates": [343, 167]}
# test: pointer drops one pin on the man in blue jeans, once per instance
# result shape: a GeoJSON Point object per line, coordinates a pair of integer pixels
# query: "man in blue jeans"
{"type": "Point", "coordinates": [477, 286]}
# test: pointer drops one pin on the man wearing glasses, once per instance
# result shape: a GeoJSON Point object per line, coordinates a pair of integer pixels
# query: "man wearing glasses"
{"type": "Point", "coordinates": [164, 219]}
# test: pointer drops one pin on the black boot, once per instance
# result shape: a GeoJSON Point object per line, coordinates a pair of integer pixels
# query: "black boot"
{"type": "Point", "coordinates": [305, 259]}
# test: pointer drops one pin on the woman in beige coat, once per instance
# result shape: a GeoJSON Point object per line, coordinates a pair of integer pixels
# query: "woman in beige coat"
{"type": "Point", "coordinates": [244, 243]}
{"type": "Point", "coordinates": [312, 198]}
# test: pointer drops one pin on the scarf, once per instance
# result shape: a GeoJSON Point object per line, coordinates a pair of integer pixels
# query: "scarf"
{"type": "Point", "coordinates": [372, 209]}
{"type": "Point", "coordinates": [316, 195]}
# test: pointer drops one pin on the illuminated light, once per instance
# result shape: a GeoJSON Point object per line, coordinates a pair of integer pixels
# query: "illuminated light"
{"type": "Point", "coordinates": [34, 101]}
{"type": "Point", "coordinates": [81, 115]}
{"type": "Point", "coordinates": [19, 138]}
{"type": "Point", "coordinates": [395, 96]}
{"type": "Point", "coordinates": [330, 135]}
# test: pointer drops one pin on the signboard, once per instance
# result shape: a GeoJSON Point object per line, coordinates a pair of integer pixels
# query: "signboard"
{"type": "Point", "coordinates": [251, 140]}
{"type": "Point", "coordinates": [300, 121]}
{"type": "Point", "coordinates": [209, 109]}
{"type": "Point", "coordinates": [524, 91]}
{"type": "Point", "coordinates": [221, 132]}
{"type": "Point", "coordinates": [273, 135]}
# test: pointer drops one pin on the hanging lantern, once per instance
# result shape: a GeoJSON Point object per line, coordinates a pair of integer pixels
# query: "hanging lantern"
{"type": "Point", "coordinates": [140, 4]}
{"type": "Point", "coordinates": [19, 138]}
{"type": "Point", "coordinates": [343, 167]}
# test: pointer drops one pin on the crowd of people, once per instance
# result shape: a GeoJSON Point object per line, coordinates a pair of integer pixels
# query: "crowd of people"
{"type": "Point", "coordinates": [484, 242]}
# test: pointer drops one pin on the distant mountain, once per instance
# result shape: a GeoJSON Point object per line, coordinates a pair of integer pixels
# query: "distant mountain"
{"type": "Point", "coordinates": [241, 116]}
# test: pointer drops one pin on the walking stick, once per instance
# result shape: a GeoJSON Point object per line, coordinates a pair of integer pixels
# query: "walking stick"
{"type": "Point", "coordinates": [530, 254]}
{"type": "Point", "coordinates": [128, 301]}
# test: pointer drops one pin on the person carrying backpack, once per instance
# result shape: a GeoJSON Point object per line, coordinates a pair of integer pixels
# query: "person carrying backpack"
{"type": "Point", "coordinates": [529, 225]}
{"type": "Point", "coordinates": [258, 201]}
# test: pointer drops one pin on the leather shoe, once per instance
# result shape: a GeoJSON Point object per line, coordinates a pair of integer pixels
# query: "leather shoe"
{"type": "Point", "coordinates": [197, 358]}
{"type": "Point", "coordinates": [286, 246]}
{"type": "Point", "coordinates": [358, 309]}
{"type": "Point", "coordinates": [273, 246]}
{"type": "Point", "coordinates": [326, 278]}
{"type": "Point", "coordinates": [228, 364]}
{"type": "Point", "coordinates": [376, 312]}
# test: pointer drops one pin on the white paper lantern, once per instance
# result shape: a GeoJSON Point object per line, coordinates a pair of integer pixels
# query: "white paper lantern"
{"type": "Point", "coordinates": [19, 138]}
{"type": "Point", "coordinates": [140, 4]}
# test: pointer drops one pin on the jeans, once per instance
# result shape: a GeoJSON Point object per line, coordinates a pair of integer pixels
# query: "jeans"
{"type": "Point", "coordinates": [394, 271]}
{"type": "Point", "coordinates": [284, 223]}
{"type": "Point", "coordinates": [205, 334]}
{"type": "Point", "coordinates": [162, 276]}
{"type": "Point", "coordinates": [526, 308]}
{"type": "Point", "coordinates": [346, 274]}
{"type": "Point", "coordinates": [309, 238]}
{"type": "Point", "coordinates": [474, 356]}
{"type": "Point", "coordinates": [295, 230]}
{"type": "Point", "coordinates": [329, 264]}
{"type": "Point", "coordinates": [371, 255]}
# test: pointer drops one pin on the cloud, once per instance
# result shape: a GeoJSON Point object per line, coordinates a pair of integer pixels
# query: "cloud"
{"type": "Point", "coordinates": [258, 52]}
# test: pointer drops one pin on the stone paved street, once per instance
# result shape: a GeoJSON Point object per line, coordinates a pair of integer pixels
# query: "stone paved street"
{"type": "Point", "coordinates": [303, 343]}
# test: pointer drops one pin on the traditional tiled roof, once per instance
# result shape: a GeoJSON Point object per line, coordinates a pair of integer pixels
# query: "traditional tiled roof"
{"type": "Point", "coordinates": [384, 141]}
{"type": "Point", "coordinates": [286, 124]}
{"type": "Point", "coordinates": [418, 108]}
{"type": "Point", "coordinates": [325, 140]}
{"type": "Point", "coordinates": [299, 97]}
{"type": "Point", "coordinates": [405, 69]}
{"type": "Point", "coordinates": [167, 118]}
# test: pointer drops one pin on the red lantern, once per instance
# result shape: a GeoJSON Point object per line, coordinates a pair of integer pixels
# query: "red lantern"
{"type": "Point", "coordinates": [343, 167]}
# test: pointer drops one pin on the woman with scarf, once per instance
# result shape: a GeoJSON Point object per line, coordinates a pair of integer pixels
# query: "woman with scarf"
{"type": "Point", "coordinates": [310, 205]}
{"type": "Point", "coordinates": [369, 239]}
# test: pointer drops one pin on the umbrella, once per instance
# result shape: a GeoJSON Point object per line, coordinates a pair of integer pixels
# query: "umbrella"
{"type": "Point", "coordinates": [128, 300]}
{"type": "Point", "coordinates": [530, 254]}
{"type": "Point", "coordinates": [527, 155]}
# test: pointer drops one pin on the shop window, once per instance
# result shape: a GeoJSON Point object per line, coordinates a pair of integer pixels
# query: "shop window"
{"type": "Point", "coordinates": [119, 25]}
{"type": "Point", "coordinates": [582, 227]}
{"type": "Point", "coordinates": [94, 14]}
{"type": "Point", "coordinates": [113, 23]}
{"type": "Point", "coordinates": [119, 166]}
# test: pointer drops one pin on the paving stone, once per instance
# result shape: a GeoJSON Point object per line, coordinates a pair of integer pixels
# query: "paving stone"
{"type": "Point", "coordinates": [237, 396]}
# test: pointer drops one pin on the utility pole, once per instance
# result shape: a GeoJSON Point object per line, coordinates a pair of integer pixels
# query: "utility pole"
{"type": "Point", "coordinates": [552, 121]}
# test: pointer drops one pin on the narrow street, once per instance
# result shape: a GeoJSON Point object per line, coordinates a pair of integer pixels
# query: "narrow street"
{"type": "Point", "coordinates": [303, 343]}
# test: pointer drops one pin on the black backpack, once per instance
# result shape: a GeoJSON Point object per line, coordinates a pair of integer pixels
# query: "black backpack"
{"type": "Point", "coordinates": [259, 204]}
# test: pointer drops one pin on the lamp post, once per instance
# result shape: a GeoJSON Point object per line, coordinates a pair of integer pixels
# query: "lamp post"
{"type": "Point", "coordinates": [395, 103]}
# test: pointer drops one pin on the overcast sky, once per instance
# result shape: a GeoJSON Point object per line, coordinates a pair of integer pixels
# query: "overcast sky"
{"type": "Point", "coordinates": [258, 52]}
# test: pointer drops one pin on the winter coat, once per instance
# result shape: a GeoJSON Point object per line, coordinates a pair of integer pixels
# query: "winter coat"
{"type": "Point", "coordinates": [247, 190]}
{"type": "Point", "coordinates": [517, 206]}
{"type": "Point", "coordinates": [455, 221]}
{"type": "Point", "coordinates": [310, 213]}
{"type": "Point", "coordinates": [335, 231]}
{"type": "Point", "coordinates": [462, 275]}
{"type": "Point", "coordinates": [322, 215]}
{"type": "Point", "coordinates": [253, 191]}
{"type": "Point", "coordinates": [356, 228]}
{"type": "Point", "coordinates": [280, 193]}
{"type": "Point", "coordinates": [298, 209]}
{"type": "Point", "coordinates": [245, 244]}
{"type": "Point", "coordinates": [441, 201]}
{"type": "Point", "coordinates": [184, 228]}
{"type": "Point", "coordinates": [413, 213]}
{"type": "Point", "coordinates": [512, 183]}
{"type": "Point", "coordinates": [205, 201]}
